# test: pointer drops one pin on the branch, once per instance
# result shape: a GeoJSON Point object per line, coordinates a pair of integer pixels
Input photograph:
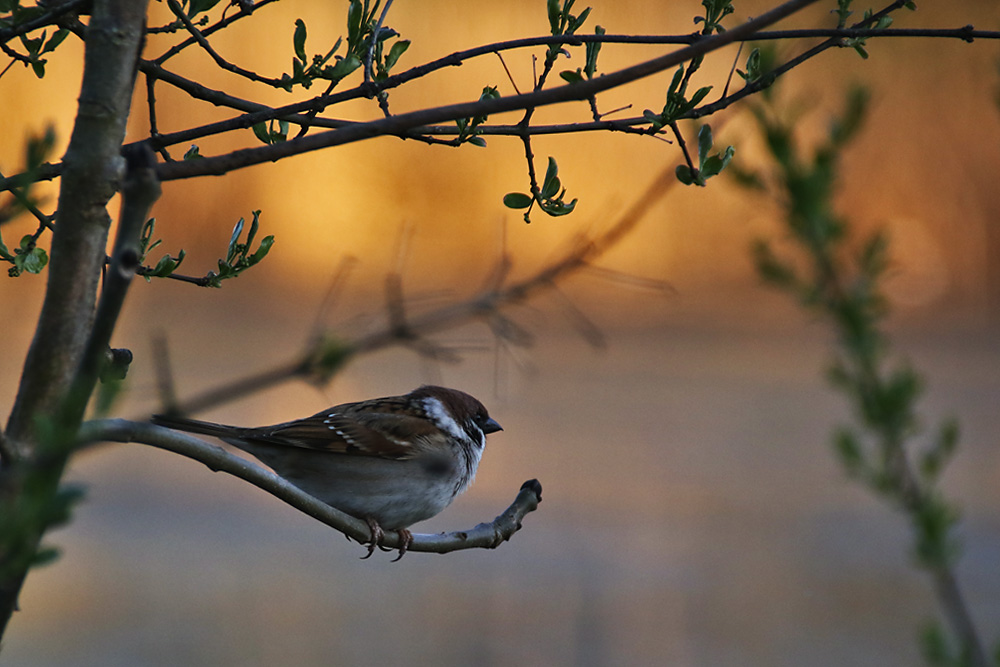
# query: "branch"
{"type": "Point", "coordinates": [52, 394]}
{"type": "Point", "coordinates": [484, 536]}
{"type": "Point", "coordinates": [402, 123]}
{"type": "Point", "coordinates": [48, 18]}
{"type": "Point", "coordinates": [293, 113]}
{"type": "Point", "coordinates": [224, 64]}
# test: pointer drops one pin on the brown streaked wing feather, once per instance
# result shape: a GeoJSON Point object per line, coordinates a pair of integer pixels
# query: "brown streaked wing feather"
{"type": "Point", "coordinates": [359, 433]}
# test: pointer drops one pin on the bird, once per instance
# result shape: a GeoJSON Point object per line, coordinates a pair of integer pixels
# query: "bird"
{"type": "Point", "coordinates": [391, 461]}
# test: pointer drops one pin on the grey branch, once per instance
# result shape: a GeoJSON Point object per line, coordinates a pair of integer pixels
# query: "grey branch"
{"type": "Point", "coordinates": [484, 536]}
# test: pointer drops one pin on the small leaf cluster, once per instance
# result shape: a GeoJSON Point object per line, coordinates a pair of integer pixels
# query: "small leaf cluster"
{"type": "Point", "coordinates": [550, 196]}
{"type": "Point", "coordinates": [563, 22]}
{"type": "Point", "coordinates": [266, 132]}
{"type": "Point", "coordinates": [708, 165]}
{"type": "Point", "coordinates": [27, 256]}
{"type": "Point", "coordinates": [760, 67]}
{"type": "Point", "coordinates": [715, 11]}
{"type": "Point", "coordinates": [858, 43]}
{"type": "Point", "coordinates": [361, 24]}
{"type": "Point", "coordinates": [239, 255]}
{"type": "Point", "coordinates": [238, 258]}
{"type": "Point", "coordinates": [12, 15]}
{"type": "Point", "coordinates": [167, 264]}
{"type": "Point", "coordinates": [677, 104]}
{"type": "Point", "coordinates": [468, 127]}
{"type": "Point", "coordinates": [305, 70]}
{"type": "Point", "coordinates": [593, 49]}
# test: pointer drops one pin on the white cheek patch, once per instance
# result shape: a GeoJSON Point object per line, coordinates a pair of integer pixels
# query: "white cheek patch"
{"type": "Point", "coordinates": [437, 413]}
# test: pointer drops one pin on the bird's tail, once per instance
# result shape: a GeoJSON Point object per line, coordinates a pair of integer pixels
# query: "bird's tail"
{"type": "Point", "coordinates": [195, 426]}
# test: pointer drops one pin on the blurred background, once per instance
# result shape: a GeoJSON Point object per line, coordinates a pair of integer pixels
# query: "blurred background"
{"type": "Point", "coordinates": [693, 512]}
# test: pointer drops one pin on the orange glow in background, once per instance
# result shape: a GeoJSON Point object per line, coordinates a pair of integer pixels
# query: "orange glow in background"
{"type": "Point", "coordinates": [693, 513]}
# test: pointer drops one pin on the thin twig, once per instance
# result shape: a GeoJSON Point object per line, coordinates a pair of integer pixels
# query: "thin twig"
{"type": "Point", "coordinates": [178, 11]}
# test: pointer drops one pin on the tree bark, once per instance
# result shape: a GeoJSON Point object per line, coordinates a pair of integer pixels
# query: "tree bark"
{"type": "Point", "coordinates": [93, 170]}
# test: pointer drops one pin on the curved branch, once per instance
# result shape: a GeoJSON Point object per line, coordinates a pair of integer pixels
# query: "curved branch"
{"type": "Point", "coordinates": [484, 536]}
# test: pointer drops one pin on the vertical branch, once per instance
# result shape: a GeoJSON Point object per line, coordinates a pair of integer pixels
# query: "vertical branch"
{"type": "Point", "coordinates": [92, 171]}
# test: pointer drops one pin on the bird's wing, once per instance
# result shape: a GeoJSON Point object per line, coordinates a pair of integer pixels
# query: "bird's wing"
{"type": "Point", "coordinates": [359, 429]}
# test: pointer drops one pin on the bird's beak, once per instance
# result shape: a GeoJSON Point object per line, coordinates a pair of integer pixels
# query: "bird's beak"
{"type": "Point", "coordinates": [491, 426]}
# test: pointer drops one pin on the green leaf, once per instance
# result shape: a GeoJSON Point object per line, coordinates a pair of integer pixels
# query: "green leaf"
{"type": "Point", "coordinates": [478, 141]}
{"type": "Point", "coordinates": [704, 143]}
{"type": "Point", "coordinates": [233, 247]}
{"type": "Point", "coordinates": [551, 176]}
{"type": "Point", "coordinates": [299, 40]}
{"type": "Point", "coordinates": [551, 187]}
{"type": "Point", "coordinates": [192, 153]}
{"type": "Point", "coordinates": [55, 41]}
{"type": "Point", "coordinates": [683, 173]}
{"type": "Point", "coordinates": [555, 15]}
{"type": "Point", "coordinates": [572, 77]}
{"type": "Point", "coordinates": [262, 250]}
{"type": "Point", "coordinates": [355, 17]}
{"type": "Point", "coordinates": [517, 200]}
{"type": "Point", "coordinates": [344, 66]}
{"type": "Point", "coordinates": [557, 208]}
{"type": "Point", "coordinates": [576, 22]}
{"type": "Point", "coordinates": [398, 49]}
{"type": "Point", "coordinates": [199, 6]}
{"type": "Point", "coordinates": [676, 81]}
{"type": "Point", "coordinates": [165, 267]}
{"type": "Point", "coordinates": [260, 129]}
{"type": "Point", "coordinates": [699, 96]}
{"type": "Point", "coordinates": [714, 164]}
{"type": "Point", "coordinates": [35, 260]}
{"type": "Point", "coordinates": [593, 49]}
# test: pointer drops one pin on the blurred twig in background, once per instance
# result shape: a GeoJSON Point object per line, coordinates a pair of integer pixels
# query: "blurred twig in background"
{"type": "Point", "coordinates": [836, 275]}
{"type": "Point", "coordinates": [326, 353]}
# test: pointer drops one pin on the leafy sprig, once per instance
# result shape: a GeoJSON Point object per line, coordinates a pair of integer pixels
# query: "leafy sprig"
{"type": "Point", "coordinates": [550, 196]}
{"type": "Point", "coordinates": [708, 165]}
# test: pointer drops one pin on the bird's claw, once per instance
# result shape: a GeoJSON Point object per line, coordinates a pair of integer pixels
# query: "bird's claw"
{"type": "Point", "coordinates": [405, 540]}
{"type": "Point", "coordinates": [377, 535]}
{"type": "Point", "coordinates": [376, 539]}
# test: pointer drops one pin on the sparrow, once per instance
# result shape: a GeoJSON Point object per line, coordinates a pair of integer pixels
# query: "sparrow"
{"type": "Point", "coordinates": [390, 462]}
